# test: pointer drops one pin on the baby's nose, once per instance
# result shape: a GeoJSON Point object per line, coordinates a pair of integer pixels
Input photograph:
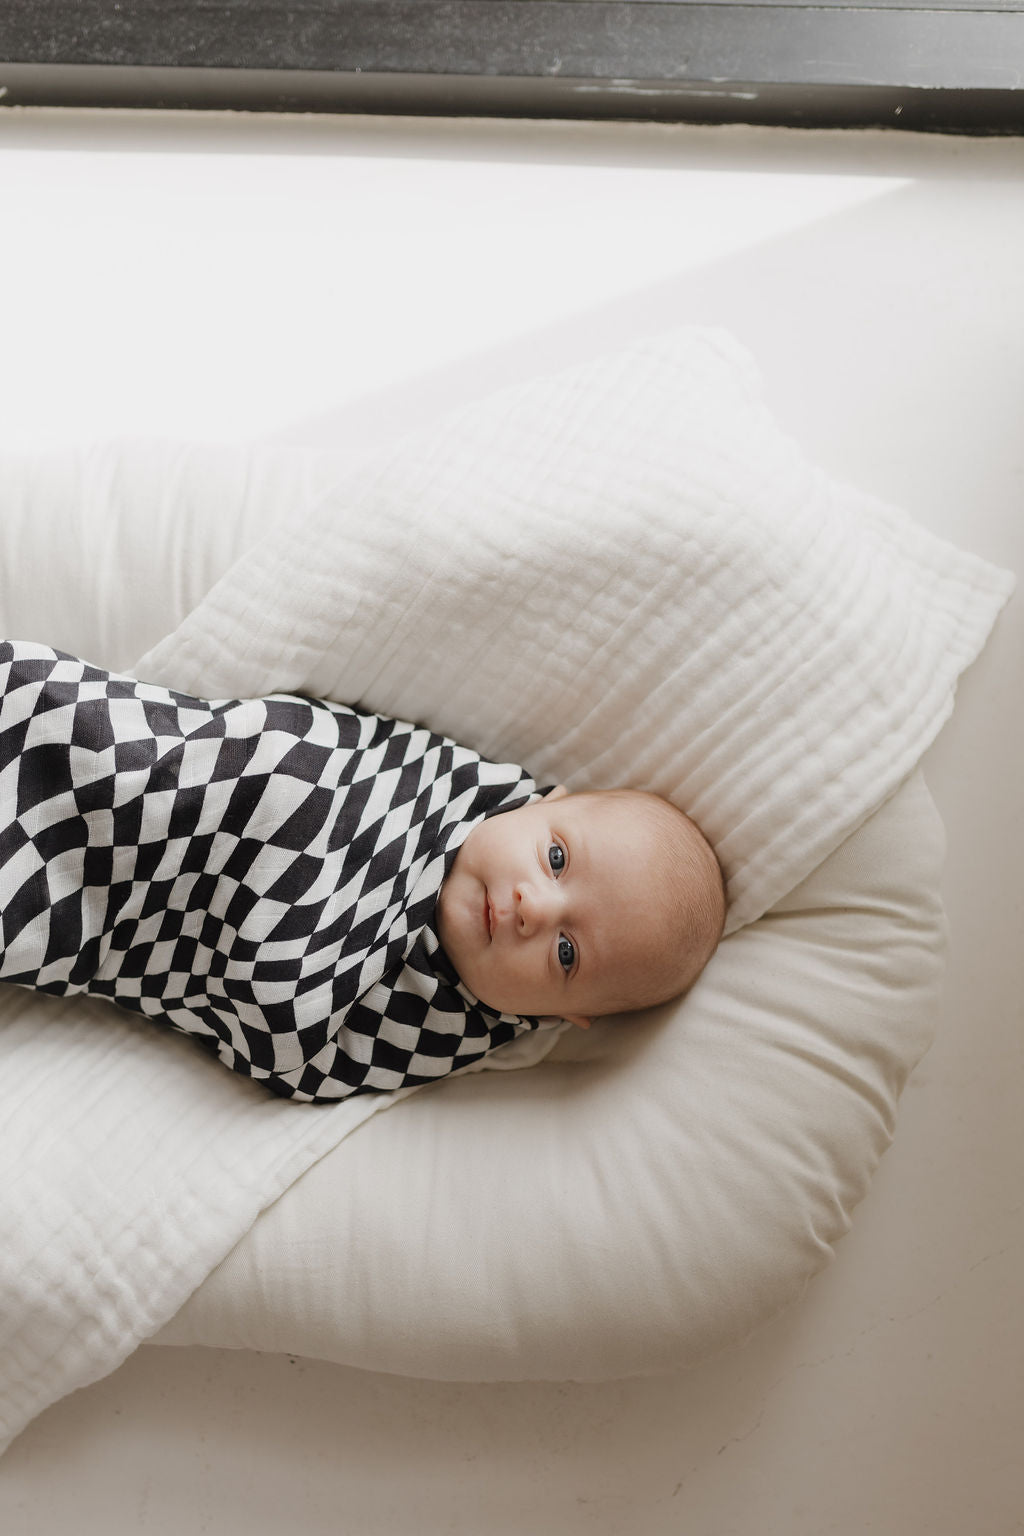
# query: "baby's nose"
{"type": "Point", "coordinates": [534, 907]}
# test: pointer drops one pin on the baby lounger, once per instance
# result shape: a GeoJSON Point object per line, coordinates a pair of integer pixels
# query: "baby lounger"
{"type": "Point", "coordinates": [622, 574]}
{"type": "Point", "coordinates": [647, 1193]}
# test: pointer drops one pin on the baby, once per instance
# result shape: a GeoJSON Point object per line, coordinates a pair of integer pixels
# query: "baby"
{"type": "Point", "coordinates": [333, 902]}
{"type": "Point", "coordinates": [581, 905]}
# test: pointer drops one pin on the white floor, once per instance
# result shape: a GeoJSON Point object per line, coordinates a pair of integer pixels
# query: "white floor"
{"type": "Point", "coordinates": [227, 276]}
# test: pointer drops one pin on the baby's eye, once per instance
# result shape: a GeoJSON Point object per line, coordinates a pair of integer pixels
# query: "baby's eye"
{"type": "Point", "coordinates": [556, 858]}
{"type": "Point", "coordinates": [566, 953]}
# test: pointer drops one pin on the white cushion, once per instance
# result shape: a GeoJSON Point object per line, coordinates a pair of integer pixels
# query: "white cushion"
{"type": "Point", "coordinates": [650, 1192]}
{"type": "Point", "coordinates": [106, 547]}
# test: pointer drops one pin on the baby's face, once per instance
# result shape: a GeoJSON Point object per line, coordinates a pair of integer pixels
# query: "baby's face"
{"type": "Point", "coordinates": [552, 909]}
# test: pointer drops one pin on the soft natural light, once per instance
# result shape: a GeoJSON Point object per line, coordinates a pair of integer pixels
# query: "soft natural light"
{"type": "Point", "coordinates": [222, 295]}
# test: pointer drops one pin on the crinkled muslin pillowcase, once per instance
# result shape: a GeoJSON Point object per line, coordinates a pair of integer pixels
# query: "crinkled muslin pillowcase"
{"type": "Point", "coordinates": [623, 573]}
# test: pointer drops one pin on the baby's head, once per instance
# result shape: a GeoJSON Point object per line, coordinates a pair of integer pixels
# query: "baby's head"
{"type": "Point", "coordinates": [580, 905]}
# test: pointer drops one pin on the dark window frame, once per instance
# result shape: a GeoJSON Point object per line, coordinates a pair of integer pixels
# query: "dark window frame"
{"type": "Point", "coordinates": [947, 66]}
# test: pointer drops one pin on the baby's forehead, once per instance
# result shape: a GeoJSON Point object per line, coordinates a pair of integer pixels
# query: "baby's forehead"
{"type": "Point", "coordinates": [600, 804]}
{"type": "Point", "coordinates": [626, 858]}
{"type": "Point", "coordinates": [614, 816]}
{"type": "Point", "coordinates": [619, 833]}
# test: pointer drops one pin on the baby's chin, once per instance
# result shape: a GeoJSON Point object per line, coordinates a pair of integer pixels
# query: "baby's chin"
{"type": "Point", "coordinates": [474, 978]}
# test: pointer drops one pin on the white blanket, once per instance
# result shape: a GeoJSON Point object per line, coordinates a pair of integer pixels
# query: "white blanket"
{"type": "Point", "coordinates": [621, 574]}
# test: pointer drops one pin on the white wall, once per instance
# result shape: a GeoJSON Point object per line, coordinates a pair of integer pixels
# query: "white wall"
{"type": "Point", "coordinates": [229, 277]}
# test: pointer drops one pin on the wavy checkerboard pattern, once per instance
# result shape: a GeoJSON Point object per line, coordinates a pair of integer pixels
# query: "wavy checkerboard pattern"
{"type": "Point", "coordinates": [260, 874]}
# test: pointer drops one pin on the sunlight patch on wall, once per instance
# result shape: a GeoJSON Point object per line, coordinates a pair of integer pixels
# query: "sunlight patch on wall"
{"type": "Point", "coordinates": [219, 295]}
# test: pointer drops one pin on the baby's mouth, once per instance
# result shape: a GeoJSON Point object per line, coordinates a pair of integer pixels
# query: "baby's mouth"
{"type": "Point", "coordinates": [488, 915]}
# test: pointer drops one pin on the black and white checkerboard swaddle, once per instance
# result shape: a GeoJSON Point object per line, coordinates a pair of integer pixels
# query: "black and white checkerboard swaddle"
{"type": "Point", "coordinates": [260, 874]}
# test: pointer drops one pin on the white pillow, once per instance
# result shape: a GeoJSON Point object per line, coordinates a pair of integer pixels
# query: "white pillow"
{"type": "Point", "coordinates": [623, 573]}
{"type": "Point", "coordinates": [656, 1188]}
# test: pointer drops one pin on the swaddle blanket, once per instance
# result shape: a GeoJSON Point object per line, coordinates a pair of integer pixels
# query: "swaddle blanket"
{"type": "Point", "coordinates": [623, 573]}
{"type": "Point", "coordinates": [260, 874]}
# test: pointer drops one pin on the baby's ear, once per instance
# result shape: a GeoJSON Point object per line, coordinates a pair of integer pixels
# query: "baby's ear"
{"type": "Point", "coordinates": [566, 1018]}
